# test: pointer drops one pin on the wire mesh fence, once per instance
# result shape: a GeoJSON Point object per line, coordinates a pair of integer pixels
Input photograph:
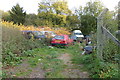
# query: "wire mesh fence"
{"type": "Point", "coordinates": [107, 43]}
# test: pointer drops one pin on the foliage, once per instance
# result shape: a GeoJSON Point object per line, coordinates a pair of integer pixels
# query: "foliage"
{"type": "Point", "coordinates": [72, 22]}
{"type": "Point", "coordinates": [30, 19]}
{"type": "Point", "coordinates": [60, 30]}
{"type": "Point", "coordinates": [54, 6]}
{"type": "Point", "coordinates": [88, 16]}
{"type": "Point", "coordinates": [17, 14]}
{"type": "Point", "coordinates": [88, 24]}
{"type": "Point", "coordinates": [108, 68]}
{"type": "Point", "coordinates": [51, 19]}
{"type": "Point", "coordinates": [55, 16]}
{"type": "Point", "coordinates": [5, 15]}
{"type": "Point", "coordinates": [111, 52]}
{"type": "Point", "coordinates": [15, 44]}
{"type": "Point", "coordinates": [53, 13]}
{"type": "Point", "coordinates": [61, 7]}
{"type": "Point", "coordinates": [96, 68]}
{"type": "Point", "coordinates": [46, 58]}
{"type": "Point", "coordinates": [93, 8]}
{"type": "Point", "coordinates": [110, 22]}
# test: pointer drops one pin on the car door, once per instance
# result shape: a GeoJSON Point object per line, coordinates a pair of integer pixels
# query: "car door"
{"type": "Point", "coordinates": [68, 39]}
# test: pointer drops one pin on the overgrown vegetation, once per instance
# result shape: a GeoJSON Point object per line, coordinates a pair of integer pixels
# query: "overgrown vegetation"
{"type": "Point", "coordinates": [47, 58]}
{"type": "Point", "coordinates": [14, 45]}
{"type": "Point", "coordinates": [56, 16]}
{"type": "Point", "coordinates": [96, 68]}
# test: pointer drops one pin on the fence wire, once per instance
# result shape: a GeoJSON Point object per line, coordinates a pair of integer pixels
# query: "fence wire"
{"type": "Point", "coordinates": [107, 43]}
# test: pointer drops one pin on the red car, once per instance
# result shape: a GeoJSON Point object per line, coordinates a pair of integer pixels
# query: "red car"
{"type": "Point", "coordinates": [62, 40]}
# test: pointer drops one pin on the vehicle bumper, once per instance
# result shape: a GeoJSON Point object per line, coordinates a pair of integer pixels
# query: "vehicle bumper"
{"type": "Point", "coordinates": [58, 44]}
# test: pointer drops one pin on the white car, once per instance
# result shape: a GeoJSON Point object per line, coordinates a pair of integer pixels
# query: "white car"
{"type": "Point", "coordinates": [78, 34]}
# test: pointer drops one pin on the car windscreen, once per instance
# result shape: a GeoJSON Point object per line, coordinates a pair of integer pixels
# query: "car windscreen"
{"type": "Point", "coordinates": [53, 33]}
{"type": "Point", "coordinates": [37, 33]}
{"type": "Point", "coordinates": [59, 37]}
{"type": "Point", "coordinates": [73, 37]}
{"type": "Point", "coordinates": [77, 33]}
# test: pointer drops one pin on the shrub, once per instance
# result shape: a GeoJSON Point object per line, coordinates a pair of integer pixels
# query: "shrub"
{"type": "Point", "coordinates": [97, 68]}
{"type": "Point", "coordinates": [14, 44]}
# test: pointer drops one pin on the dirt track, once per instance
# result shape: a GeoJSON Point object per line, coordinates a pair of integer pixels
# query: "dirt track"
{"type": "Point", "coordinates": [72, 70]}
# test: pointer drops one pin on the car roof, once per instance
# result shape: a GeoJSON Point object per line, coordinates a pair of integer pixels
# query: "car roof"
{"type": "Point", "coordinates": [62, 35]}
{"type": "Point", "coordinates": [26, 31]}
{"type": "Point", "coordinates": [35, 31]}
{"type": "Point", "coordinates": [47, 31]}
{"type": "Point", "coordinates": [77, 31]}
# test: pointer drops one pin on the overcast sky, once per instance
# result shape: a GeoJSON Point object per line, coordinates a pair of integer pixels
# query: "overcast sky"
{"type": "Point", "coordinates": [31, 6]}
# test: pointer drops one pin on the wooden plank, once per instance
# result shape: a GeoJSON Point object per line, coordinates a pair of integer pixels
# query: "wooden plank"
{"type": "Point", "coordinates": [106, 32]}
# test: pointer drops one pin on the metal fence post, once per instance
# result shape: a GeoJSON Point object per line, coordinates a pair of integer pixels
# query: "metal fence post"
{"type": "Point", "coordinates": [99, 34]}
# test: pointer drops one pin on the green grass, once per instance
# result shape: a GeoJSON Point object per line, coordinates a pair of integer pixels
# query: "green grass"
{"type": "Point", "coordinates": [22, 73]}
{"type": "Point", "coordinates": [48, 58]}
{"type": "Point", "coordinates": [96, 68]}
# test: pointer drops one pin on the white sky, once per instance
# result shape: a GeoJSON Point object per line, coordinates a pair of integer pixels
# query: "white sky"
{"type": "Point", "coordinates": [31, 6]}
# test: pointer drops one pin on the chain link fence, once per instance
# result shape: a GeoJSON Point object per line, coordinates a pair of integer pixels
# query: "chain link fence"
{"type": "Point", "coordinates": [107, 43]}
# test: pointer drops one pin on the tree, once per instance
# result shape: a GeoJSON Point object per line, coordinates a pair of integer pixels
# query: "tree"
{"type": "Point", "coordinates": [72, 22]}
{"type": "Point", "coordinates": [88, 16]}
{"type": "Point", "coordinates": [53, 12]}
{"type": "Point", "coordinates": [88, 24]}
{"type": "Point", "coordinates": [45, 6]}
{"type": "Point", "coordinates": [17, 14]}
{"type": "Point", "coordinates": [5, 16]}
{"type": "Point", "coordinates": [30, 19]}
{"type": "Point", "coordinates": [61, 7]}
{"type": "Point", "coordinates": [93, 8]}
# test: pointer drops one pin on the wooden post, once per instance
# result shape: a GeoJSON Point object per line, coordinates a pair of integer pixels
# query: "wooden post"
{"type": "Point", "coordinates": [99, 34]}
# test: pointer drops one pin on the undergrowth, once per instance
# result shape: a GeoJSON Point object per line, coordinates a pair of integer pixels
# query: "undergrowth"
{"type": "Point", "coordinates": [96, 68]}
{"type": "Point", "coordinates": [46, 58]}
{"type": "Point", "coordinates": [14, 45]}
